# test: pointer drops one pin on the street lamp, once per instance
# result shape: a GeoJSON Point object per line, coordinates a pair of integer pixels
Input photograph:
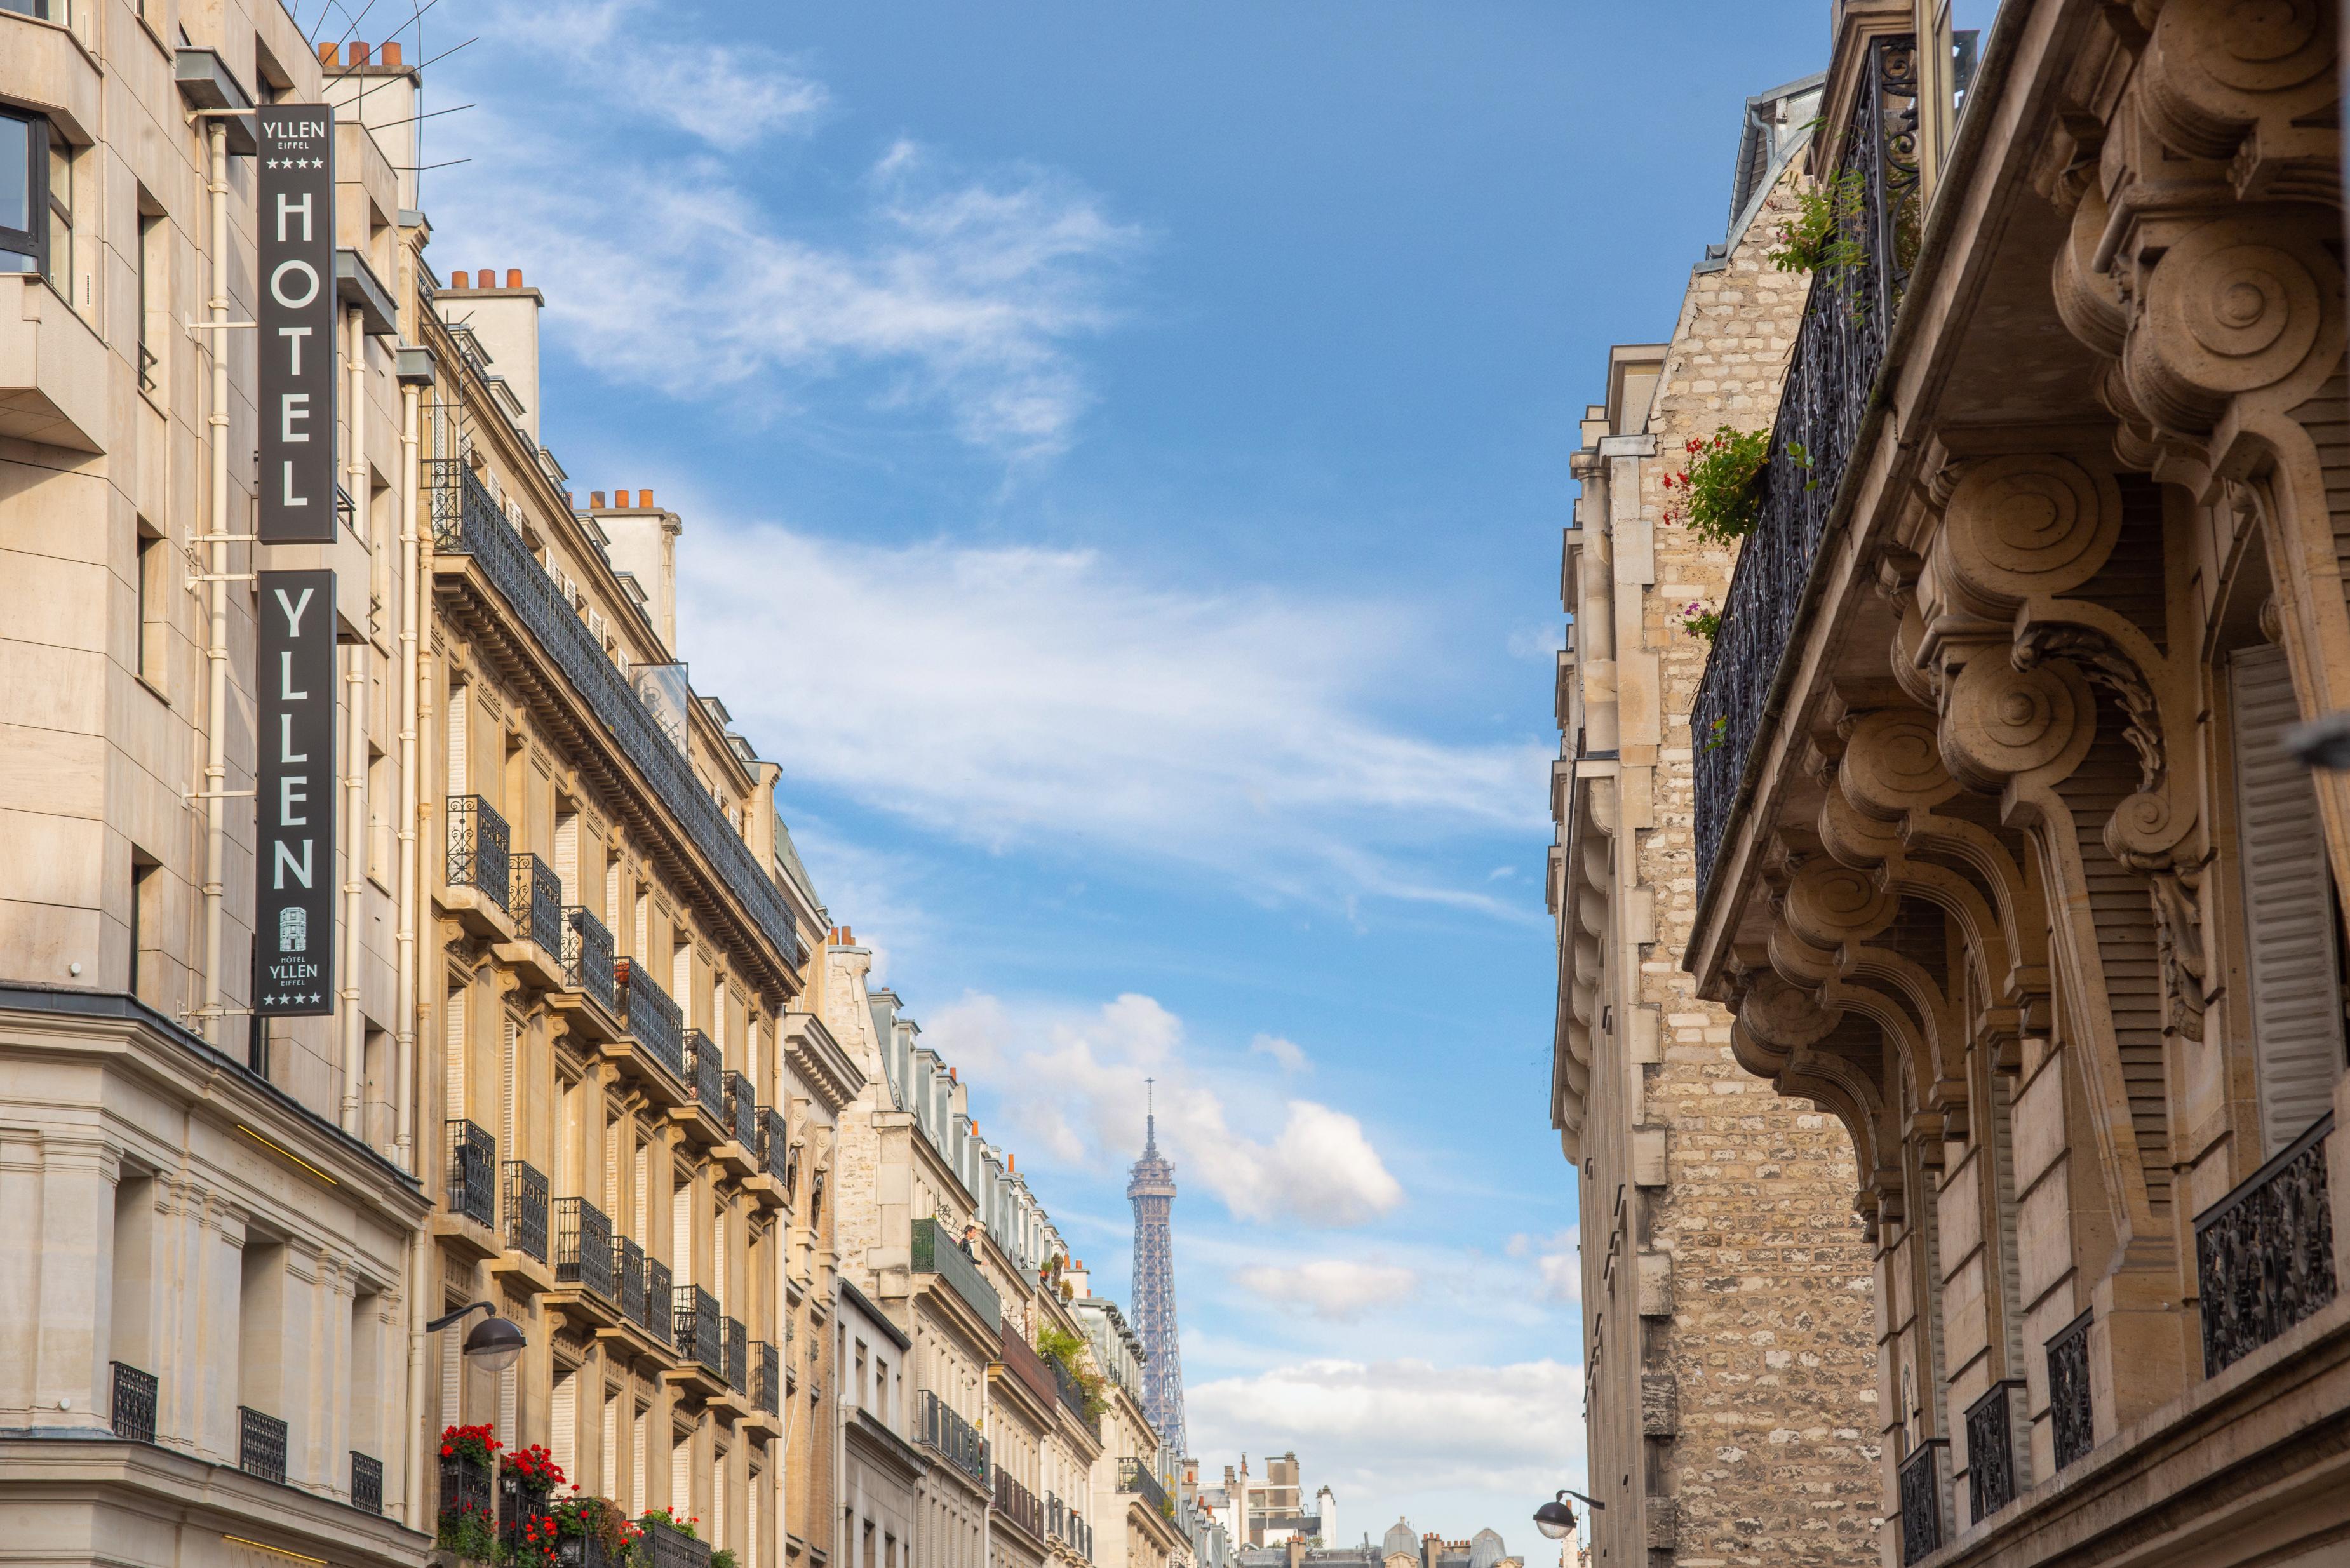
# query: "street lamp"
{"type": "Point", "coordinates": [1555, 1518]}
{"type": "Point", "coordinates": [494, 1344]}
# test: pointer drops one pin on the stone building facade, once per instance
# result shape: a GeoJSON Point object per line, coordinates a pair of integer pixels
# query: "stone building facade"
{"type": "Point", "coordinates": [1727, 1342]}
{"type": "Point", "coordinates": [2008, 858]}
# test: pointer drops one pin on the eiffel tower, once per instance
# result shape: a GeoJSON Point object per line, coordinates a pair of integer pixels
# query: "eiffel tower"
{"type": "Point", "coordinates": [1152, 1192]}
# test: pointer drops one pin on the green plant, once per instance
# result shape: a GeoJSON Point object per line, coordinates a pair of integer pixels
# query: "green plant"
{"type": "Point", "coordinates": [467, 1531]}
{"type": "Point", "coordinates": [1700, 621]}
{"type": "Point", "coordinates": [1069, 1350]}
{"type": "Point", "coordinates": [1720, 489]}
{"type": "Point", "coordinates": [673, 1519]}
{"type": "Point", "coordinates": [1820, 236]}
{"type": "Point", "coordinates": [723, 1558]}
{"type": "Point", "coordinates": [1720, 730]}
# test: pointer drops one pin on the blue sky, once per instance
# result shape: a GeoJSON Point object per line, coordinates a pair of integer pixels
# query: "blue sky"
{"type": "Point", "coordinates": [1123, 451]}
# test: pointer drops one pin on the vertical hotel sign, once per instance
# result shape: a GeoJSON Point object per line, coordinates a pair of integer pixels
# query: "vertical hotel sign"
{"type": "Point", "coordinates": [294, 918]}
{"type": "Point", "coordinates": [297, 224]}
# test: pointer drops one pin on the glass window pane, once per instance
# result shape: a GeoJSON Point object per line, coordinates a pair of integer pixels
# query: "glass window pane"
{"type": "Point", "coordinates": [61, 173]}
{"type": "Point", "coordinates": [15, 172]}
{"type": "Point", "coordinates": [28, 7]}
{"type": "Point", "coordinates": [61, 255]}
{"type": "Point", "coordinates": [11, 261]}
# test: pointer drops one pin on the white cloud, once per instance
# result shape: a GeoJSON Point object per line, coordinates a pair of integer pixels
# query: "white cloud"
{"type": "Point", "coordinates": [1014, 696]}
{"type": "Point", "coordinates": [1335, 1287]}
{"type": "Point", "coordinates": [1288, 1053]}
{"type": "Point", "coordinates": [1540, 644]}
{"type": "Point", "coordinates": [1454, 1447]}
{"type": "Point", "coordinates": [692, 275]}
{"type": "Point", "coordinates": [1081, 1099]}
{"type": "Point", "coordinates": [1560, 1264]}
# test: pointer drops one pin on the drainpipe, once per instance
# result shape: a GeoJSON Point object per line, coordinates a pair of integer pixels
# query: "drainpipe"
{"type": "Point", "coordinates": [419, 1263]}
{"type": "Point", "coordinates": [355, 828]}
{"type": "Point", "coordinates": [217, 644]}
{"type": "Point", "coordinates": [404, 1091]}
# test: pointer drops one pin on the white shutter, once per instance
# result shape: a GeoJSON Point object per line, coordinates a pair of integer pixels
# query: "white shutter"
{"type": "Point", "coordinates": [452, 1379]}
{"type": "Point", "coordinates": [563, 1423]}
{"type": "Point", "coordinates": [718, 1259]}
{"type": "Point", "coordinates": [608, 1457]}
{"type": "Point", "coordinates": [681, 1236]}
{"type": "Point", "coordinates": [453, 1057]}
{"type": "Point", "coordinates": [639, 1463]}
{"type": "Point", "coordinates": [509, 1394]}
{"type": "Point", "coordinates": [2288, 905]}
{"type": "Point", "coordinates": [509, 1144]}
{"type": "Point", "coordinates": [681, 1474]}
{"type": "Point", "coordinates": [457, 707]}
{"type": "Point", "coordinates": [567, 854]}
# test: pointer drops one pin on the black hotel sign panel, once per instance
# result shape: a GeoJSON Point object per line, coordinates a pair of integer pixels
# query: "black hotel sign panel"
{"type": "Point", "coordinates": [297, 223]}
{"type": "Point", "coordinates": [294, 916]}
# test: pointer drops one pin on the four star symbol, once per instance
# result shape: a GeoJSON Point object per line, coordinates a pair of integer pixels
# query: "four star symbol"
{"type": "Point", "coordinates": [298, 163]}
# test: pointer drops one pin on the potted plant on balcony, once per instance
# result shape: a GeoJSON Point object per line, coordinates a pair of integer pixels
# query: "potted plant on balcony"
{"type": "Point", "coordinates": [467, 1528]}
{"type": "Point", "coordinates": [592, 1532]}
{"type": "Point", "coordinates": [1069, 1350]}
{"type": "Point", "coordinates": [527, 1478]}
{"type": "Point", "coordinates": [1720, 491]}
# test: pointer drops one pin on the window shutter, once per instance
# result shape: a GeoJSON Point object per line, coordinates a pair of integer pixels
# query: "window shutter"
{"type": "Point", "coordinates": [563, 1423]}
{"type": "Point", "coordinates": [509, 1394]}
{"type": "Point", "coordinates": [639, 1463]}
{"type": "Point", "coordinates": [608, 1457]}
{"type": "Point", "coordinates": [681, 1473]}
{"type": "Point", "coordinates": [452, 1378]}
{"type": "Point", "coordinates": [453, 1058]}
{"type": "Point", "coordinates": [509, 1144]}
{"type": "Point", "coordinates": [681, 1236]}
{"type": "Point", "coordinates": [457, 706]}
{"type": "Point", "coordinates": [2288, 905]}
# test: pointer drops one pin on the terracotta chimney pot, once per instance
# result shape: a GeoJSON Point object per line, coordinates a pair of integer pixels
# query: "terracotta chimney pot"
{"type": "Point", "coordinates": [388, 55]}
{"type": "Point", "coordinates": [513, 278]}
{"type": "Point", "coordinates": [326, 53]}
{"type": "Point", "coordinates": [645, 499]}
{"type": "Point", "coordinates": [358, 55]}
{"type": "Point", "coordinates": [596, 499]}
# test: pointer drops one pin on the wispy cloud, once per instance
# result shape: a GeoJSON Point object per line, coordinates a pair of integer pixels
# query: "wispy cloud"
{"type": "Point", "coordinates": [1332, 1288]}
{"type": "Point", "coordinates": [1288, 1053]}
{"type": "Point", "coordinates": [1025, 698]}
{"type": "Point", "coordinates": [668, 267]}
{"type": "Point", "coordinates": [1081, 1101]}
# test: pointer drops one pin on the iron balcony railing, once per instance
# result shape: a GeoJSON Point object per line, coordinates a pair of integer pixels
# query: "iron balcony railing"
{"type": "Point", "coordinates": [1921, 1502]}
{"type": "Point", "coordinates": [648, 1015]}
{"type": "Point", "coordinates": [738, 1357]}
{"type": "Point", "coordinates": [479, 857]}
{"type": "Point", "coordinates": [1991, 1452]}
{"type": "Point", "coordinates": [951, 1437]}
{"type": "Point", "coordinates": [1072, 1392]}
{"type": "Point", "coordinates": [943, 1256]}
{"type": "Point", "coordinates": [2264, 1253]}
{"type": "Point", "coordinates": [260, 1445]}
{"type": "Point", "coordinates": [1839, 350]}
{"type": "Point", "coordinates": [523, 1511]}
{"type": "Point", "coordinates": [628, 1272]}
{"type": "Point", "coordinates": [526, 1208]}
{"type": "Point", "coordinates": [468, 520]}
{"type": "Point", "coordinates": [583, 1247]}
{"type": "Point", "coordinates": [698, 1336]}
{"type": "Point", "coordinates": [465, 1487]}
{"type": "Point", "coordinates": [705, 1074]}
{"type": "Point", "coordinates": [134, 1403]}
{"type": "Point", "coordinates": [588, 1551]}
{"type": "Point", "coordinates": [536, 902]}
{"type": "Point", "coordinates": [587, 956]}
{"type": "Point", "coordinates": [1065, 1524]}
{"type": "Point", "coordinates": [1017, 1503]}
{"type": "Point", "coordinates": [473, 1173]}
{"type": "Point", "coordinates": [2072, 1412]}
{"type": "Point", "coordinates": [741, 1117]}
{"type": "Point", "coordinates": [367, 1482]}
{"type": "Point", "coordinates": [1136, 1477]}
{"type": "Point", "coordinates": [660, 1320]}
{"type": "Point", "coordinates": [768, 1376]}
{"type": "Point", "coordinates": [775, 1148]}
{"type": "Point", "coordinates": [662, 1547]}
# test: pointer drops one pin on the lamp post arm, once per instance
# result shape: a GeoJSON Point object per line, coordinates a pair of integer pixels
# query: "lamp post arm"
{"type": "Point", "coordinates": [438, 1324]}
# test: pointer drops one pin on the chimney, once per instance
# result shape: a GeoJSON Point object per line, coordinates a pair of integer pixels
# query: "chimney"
{"type": "Point", "coordinates": [1327, 1505]}
{"type": "Point", "coordinates": [377, 89]}
{"type": "Point", "coordinates": [326, 53]}
{"type": "Point", "coordinates": [389, 57]}
{"type": "Point", "coordinates": [596, 499]}
{"type": "Point", "coordinates": [506, 321]}
{"type": "Point", "coordinates": [642, 540]}
{"type": "Point", "coordinates": [359, 56]}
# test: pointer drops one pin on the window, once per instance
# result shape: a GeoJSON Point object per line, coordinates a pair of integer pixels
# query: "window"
{"type": "Point", "coordinates": [153, 571]}
{"type": "Point", "coordinates": [36, 195]}
{"type": "Point", "coordinates": [46, 10]}
{"type": "Point", "coordinates": [152, 310]}
{"type": "Point", "coordinates": [146, 927]}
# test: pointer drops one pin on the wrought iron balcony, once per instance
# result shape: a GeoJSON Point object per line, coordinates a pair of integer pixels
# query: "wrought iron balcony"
{"type": "Point", "coordinates": [648, 1015]}
{"type": "Point", "coordinates": [698, 1336]}
{"type": "Point", "coordinates": [1072, 1392]}
{"type": "Point", "coordinates": [583, 1247]}
{"type": "Point", "coordinates": [526, 1208]}
{"type": "Point", "coordinates": [775, 1148]}
{"type": "Point", "coordinates": [465, 1487]}
{"type": "Point", "coordinates": [367, 1483]}
{"type": "Point", "coordinates": [1921, 1502]}
{"type": "Point", "coordinates": [1830, 378]}
{"type": "Point", "coordinates": [943, 1255]}
{"type": "Point", "coordinates": [951, 1437]}
{"type": "Point", "coordinates": [520, 1508]}
{"type": "Point", "coordinates": [741, 1116]}
{"type": "Point", "coordinates": [2071, 1414]}
{"type": "Point", "coordinates": [536, 901]}
{"type": "Point", "coordinates": [134, 1403]}
{"type": "Point", "coordinates": [662, 1547]}
{"type": "Point", "coordinates": [705, 1074]}
{"type": "Point", "coordinates": [473, 1173]}
{"type": "Point", "coordinates": [588, 1550]}
{"type": "Point", "coordinates": [738, 1357]}
{"type": "Point", "coordinates": [629, 1274]}
{"type": "Point", "coordinates": [1018, 1504]}
{"type": "Point", "coordinates": [1991, 1452]}
{"type": "Point", "coordinates": [468, 520]}
{"type": "Point", "coordinates": [479, 856]}
{"type": "Point", "coordinates": [587, 956]}
{"type": "Point", "coordinates": [658, 1318]}
{"type": "Point", "coordinates": [260, 1445]}
{"type": "Point", "coordinates": [768, 1376]}
{"type": "Point", "coordinates": [2264, 1253]}
{"type": "Point", "coordinates": [1136, 1477]}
